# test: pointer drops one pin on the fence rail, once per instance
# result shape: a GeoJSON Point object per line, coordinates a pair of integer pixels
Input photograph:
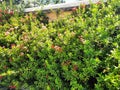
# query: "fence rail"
{"type": "Point", "coordinates": [62, 5]}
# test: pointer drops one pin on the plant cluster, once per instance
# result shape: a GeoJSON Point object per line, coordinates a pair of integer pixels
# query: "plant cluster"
{"type": "Point", "coordinates": [79, 52]}
{"type": "Point", "coordinates": [5, 15]}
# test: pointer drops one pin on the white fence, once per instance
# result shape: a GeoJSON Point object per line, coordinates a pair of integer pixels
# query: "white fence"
{"type": "Point", "coordinates": [62, 5]}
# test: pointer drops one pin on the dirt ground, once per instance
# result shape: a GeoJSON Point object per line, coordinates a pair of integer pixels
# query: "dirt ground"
{"type": "Point", "coordinates": [53, 15]}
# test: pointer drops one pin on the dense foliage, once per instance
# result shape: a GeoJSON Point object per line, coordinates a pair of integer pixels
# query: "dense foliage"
{"type": "Point", "coordinates": [79, 52]}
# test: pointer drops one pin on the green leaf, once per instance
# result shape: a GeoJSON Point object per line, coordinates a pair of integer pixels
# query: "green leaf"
{"type": "Point", "coordinates": [29, 56]}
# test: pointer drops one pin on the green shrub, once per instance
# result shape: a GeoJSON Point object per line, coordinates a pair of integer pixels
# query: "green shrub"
{"type": "Point", "coordinates": [79, 52]}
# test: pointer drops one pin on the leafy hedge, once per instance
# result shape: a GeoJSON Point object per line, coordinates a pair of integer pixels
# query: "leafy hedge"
{"type": "Point", "coordinates": [79, 52]}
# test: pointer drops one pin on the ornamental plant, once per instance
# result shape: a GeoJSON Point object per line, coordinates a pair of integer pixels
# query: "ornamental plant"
{"type": "Point", "coordinates": [78, 52]}
{"type": "Point", "coordinates": [6, 11]}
